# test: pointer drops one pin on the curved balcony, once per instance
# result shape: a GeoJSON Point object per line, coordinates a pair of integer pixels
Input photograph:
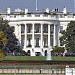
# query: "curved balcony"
{"type": "Point", "coordinates": [32, 17]}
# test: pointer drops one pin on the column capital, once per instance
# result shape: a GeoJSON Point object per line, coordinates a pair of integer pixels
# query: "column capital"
{"type": "Point", "coordinates": [25, 23]}
{"type": "Point", "coordinates": [33, 23]}
{"type": "Point", "coordinates": [55, 24]}
{"type": "Point", "coordinates": [41, 23]}
{"type": "Point", "coordinates": [49, 24]}
{"type": "Point", "coordinates": [17, 24]}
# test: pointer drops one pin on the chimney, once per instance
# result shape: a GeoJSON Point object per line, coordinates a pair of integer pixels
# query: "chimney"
{"type": "Point", "coordinates": [26, 11]}
{"type": "Point", "coordinates": [64, 10]}
{"type": "Point", "coordinates": [47, 10]}
{"type": "Point", "coordinates": [57, 9]}
{"type": "Point", "coordinates": [8, 11]}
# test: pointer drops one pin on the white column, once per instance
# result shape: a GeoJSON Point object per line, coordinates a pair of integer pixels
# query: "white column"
{"type": "Point", "coordinates": [48, 35]}
{"type": "Point", "coordinates": [19, 34]}
{"type": "Point", "coordinates": [16, 31]}
{"type": "Point", "coordinates": [54, 41]}
{"type": "Point", "coordinates": [49, 45]}
{"type": "Point", "coordinates": [25, 40]}
{"type": "Point", "coordinates": [41, 35]}
{"type": "Point", "coordinates": [33, 36]}
{"type": "Point", "coordinates": [56, 35]}
{"type": "Point", "coordinates": [58, 30]}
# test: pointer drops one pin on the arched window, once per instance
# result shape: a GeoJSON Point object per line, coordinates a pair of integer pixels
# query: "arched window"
{"type": "Point", "coordinates": [28, 52]}
{"type": "Point", "coordinates": [22, 28]}
{"type": "Point", "coordinates": [45, 52]}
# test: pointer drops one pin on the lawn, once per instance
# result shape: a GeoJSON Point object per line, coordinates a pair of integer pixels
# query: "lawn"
{"type": "Point", "coordinates": [25, 58]}
{"type": "Point", "coordinates": [37, 58]}
{"type": "Point", "coordinates": [59, 58]}
{"type": "Point", "coordinates": [20, 74]}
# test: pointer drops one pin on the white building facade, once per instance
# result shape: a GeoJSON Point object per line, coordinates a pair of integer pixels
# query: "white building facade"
{"type": "Point", "coordinates": [38, 30]}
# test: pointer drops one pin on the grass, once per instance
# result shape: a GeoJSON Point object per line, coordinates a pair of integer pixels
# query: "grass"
{"type": "Point", "coordinates": [59, 58]}
{"type": "Point", "coordinates": [25, 58]}
{"type": "Point", "coordinates": [19, 74]}
{"type": "Point", "coordinates": [37, 58]}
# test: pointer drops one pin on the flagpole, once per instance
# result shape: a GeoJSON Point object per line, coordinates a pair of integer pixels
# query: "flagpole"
{"type": "Point", "coordinates": [36, 5]}
{"type": "Point", "coordinates": [74, 6]}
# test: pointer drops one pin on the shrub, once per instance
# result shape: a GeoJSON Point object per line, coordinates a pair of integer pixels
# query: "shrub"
{"type": "Point", "coordinates": [58, 49]}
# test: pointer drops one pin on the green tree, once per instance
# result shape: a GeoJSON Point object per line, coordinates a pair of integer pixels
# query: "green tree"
{"type": "Point", "coordinates": [3, 39]}
{"type": "Point", "coordinates": [68, 38]}
{"type": "Point", "coordinates": [58, 49]}
{"type": "Point", "coordinates": [3, 42]}
{"type": "Point", "coordinates": [8, 40]}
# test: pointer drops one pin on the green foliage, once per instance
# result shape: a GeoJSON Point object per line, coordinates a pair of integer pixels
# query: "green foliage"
{"type": "Point", "coordinates": [8, 41]}
{"type": "Point", "coordinates": [3, 39]}
{"type": "Point", "coordinates": [58, 49]}
{"type": "Point", "coordinates": [68, 38]}
{"type": "Point", "coordinates": [2, 54]}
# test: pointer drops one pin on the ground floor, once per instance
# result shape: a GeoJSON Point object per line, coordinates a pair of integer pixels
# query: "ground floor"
{"type": "Point", "coordinates": [36, 51]}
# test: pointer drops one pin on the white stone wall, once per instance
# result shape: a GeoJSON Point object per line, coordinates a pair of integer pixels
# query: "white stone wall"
{"type": "Point", "coordinates": [58, 21]}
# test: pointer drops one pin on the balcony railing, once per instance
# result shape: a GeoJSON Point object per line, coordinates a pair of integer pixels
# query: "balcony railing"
{"type": "Point", "coordinates": [29, 45]}
{"type": "Point", "coordinates": [45, 46]}
{"type": "Point", "coordinates": [45, 31]}
{"type": "Point", "coordinates": [37, 31]}
{"type": "Point", "coordinates": [37, 46]}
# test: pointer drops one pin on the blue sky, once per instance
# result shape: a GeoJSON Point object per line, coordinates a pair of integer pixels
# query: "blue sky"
{"type": "Point", "coordinates": [42, 4]}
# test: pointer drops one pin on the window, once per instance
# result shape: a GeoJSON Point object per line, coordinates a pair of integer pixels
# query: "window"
{"type": "Point", "coordinates": [22, 15]}
{"type": "Point", "coordinates": [45, 42]}
{"type": "Point", "coordinates": [22, 40]}
{"type": "Point", "coordinates": [29, 44]}
{"type": "Point", "coordinates": [61, 28]}
{"type": "Point", "coordinates": [22, 28]}
{"type": "Point", "coordinates": [28, 15]}
{"type": "Point", "coordinates": [37, 28]}
{"type": "Point", "coordinates": [61, 44]}
{"type": "Point", "coordinates": [29, 27]}
{"type": "Point", "coordinates": [37, 42]}
{"type": "Point", "coordinates": [70, 16]}
{"type": "Point", "coordinates": [45, 15]}
{"type": "Point", "coordinates": [45, 52]}
{"type": "Point", "coordinates": [37, 15]}
{"type": "Point", "coordinates": [29, 40]}
{"type": "Point", "coordinates": [62, 16]}
{"type": "Point", "coordinates": [28, 52]}
{"type": "Point", "coordinates": [14, 16]}
{"type": "Point", "coordinates": [45, 28]}
{"type": "Point", "coordinates": [37, 53]}
{"type": "Point", "coordinates": [52, 28]}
